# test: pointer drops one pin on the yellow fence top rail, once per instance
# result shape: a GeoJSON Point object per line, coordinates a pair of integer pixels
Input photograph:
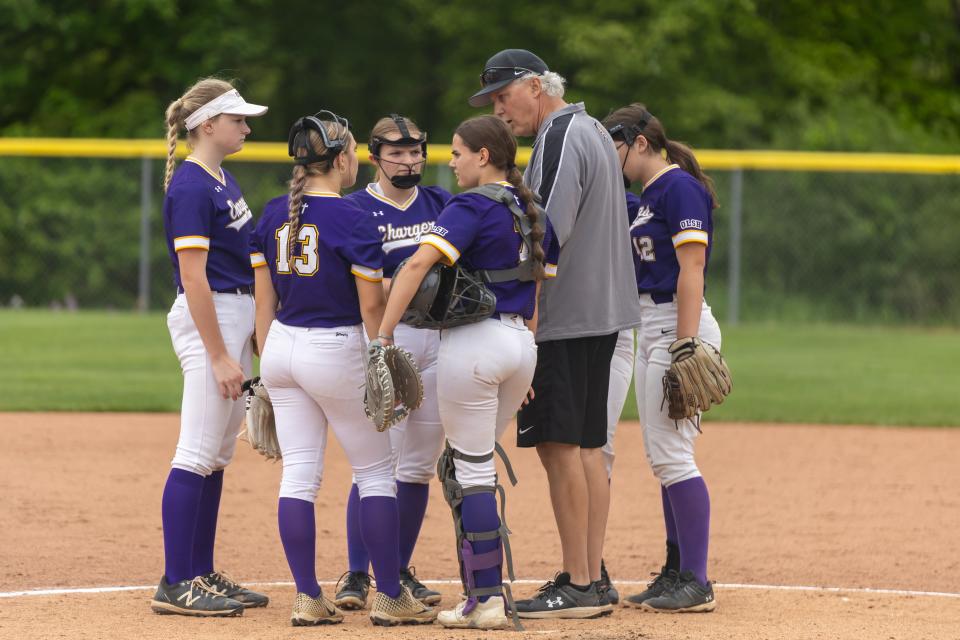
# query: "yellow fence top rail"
{"type": "Point", "coordinates": [440, 154]}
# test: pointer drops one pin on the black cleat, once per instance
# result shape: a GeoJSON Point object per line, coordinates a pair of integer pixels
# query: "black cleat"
{"type": "Point", "coordinates": [409, 579]}
{"type": "Point", "coordinates": [193, 598]}
{"type": "Point", "coordinates": [352, 590]}
{"type": "Point", "coordinates": [606, 586]}
{"type": "Point", "coordinates": [559, 599]}
{"type": "Point", "coordinates": [686, 595]}
{"type": "Point", "coordinates": [660, 584]}
{"type": "Point", "coordinates": [227, 587]}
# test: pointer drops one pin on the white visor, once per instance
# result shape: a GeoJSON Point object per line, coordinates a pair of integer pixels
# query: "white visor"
{"type": "Point", "coordinates": [231, 103]}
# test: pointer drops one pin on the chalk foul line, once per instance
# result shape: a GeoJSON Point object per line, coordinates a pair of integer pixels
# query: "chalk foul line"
{"type": "Point", "coordinates": [60, 591]}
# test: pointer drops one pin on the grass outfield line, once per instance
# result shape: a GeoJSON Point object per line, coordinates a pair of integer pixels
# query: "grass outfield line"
{"type": "Point", "coordinates": [103, 361]}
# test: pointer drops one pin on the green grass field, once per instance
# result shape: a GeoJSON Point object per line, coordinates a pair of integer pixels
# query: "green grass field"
{"type": "Point", "coordinates": [103, 361]}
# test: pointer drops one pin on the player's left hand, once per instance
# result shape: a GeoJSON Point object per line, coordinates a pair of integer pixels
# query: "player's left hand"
{"type": "Point", "coordinates": [394, 387]}
{"type": "Point", "coordinates": [697, 379]}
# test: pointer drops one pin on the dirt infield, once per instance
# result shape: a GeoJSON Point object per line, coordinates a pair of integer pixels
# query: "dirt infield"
{"type": "Point", "coordinates": [811, 506]}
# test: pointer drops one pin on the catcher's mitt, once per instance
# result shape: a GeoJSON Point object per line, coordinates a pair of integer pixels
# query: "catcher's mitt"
{"type": "Point", "coordinates": [394, 387]}
{"type": "Point", "coordinates": [261, 430]}
{"type": "Point", "coordinates": [697, 379]}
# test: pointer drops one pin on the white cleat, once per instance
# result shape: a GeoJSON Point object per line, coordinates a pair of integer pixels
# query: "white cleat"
{"type": "Point", "coordinates": [484, 615]}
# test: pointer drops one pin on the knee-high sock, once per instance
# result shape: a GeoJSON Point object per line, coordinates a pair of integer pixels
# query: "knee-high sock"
{"type": "Point", "coordinates": [412, 505]}
{"type": "Point", "coordinates": [479, 513]}
{"type": "Point", "coordinates": [206, 532]}
{"type": "Point", "coordinates": [673, 549]}
{"type": "Point", "coordinates": [298, 533]}
{"type": "Point", "coordinates": [357, 556]}
{"type": "Point", "coordinates": [379, 524]}
{"type": "Point", "coordinates": [179, 508]}
{"type": "Point", "coordinates": [691, 509]}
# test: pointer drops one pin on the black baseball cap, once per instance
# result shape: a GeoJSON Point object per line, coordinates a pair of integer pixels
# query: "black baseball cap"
{"type": "Point", "coordinates": [502, 69]}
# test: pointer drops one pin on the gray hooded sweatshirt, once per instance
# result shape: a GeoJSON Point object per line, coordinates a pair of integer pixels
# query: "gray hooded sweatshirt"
{"type": "Point", "coordinates": [576, 171]}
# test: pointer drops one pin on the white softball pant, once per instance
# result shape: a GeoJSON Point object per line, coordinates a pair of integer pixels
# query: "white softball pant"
{"type": "Point", "coordinates": [668, 443]}
{"type": "Point", "coordinates": [208, 423]}
{"type": "Point", "coordinates": [483, 374]}
{"type": "Point", "coordinates": [621, 373]}
{"type": "Point", "coordinates": [416, 442]}
{"type": "Point", "coordinates": [315, 377]}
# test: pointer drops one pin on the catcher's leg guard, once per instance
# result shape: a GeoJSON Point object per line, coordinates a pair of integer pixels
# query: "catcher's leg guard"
{"type": "Point", "coordinates": [471, 561]}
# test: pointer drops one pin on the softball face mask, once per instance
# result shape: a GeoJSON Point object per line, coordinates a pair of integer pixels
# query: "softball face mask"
{"type": "Point", "coordinates": [299, 139]}
{"type": "Point", "coordinates": [402, 180]}
{"type": "Point", "coordinates": [628, 134]}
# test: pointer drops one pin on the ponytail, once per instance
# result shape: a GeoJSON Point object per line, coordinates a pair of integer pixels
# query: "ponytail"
{"type": "Point", "coordinates": [680, 154]}
{"type": "Point", "coordinates": [515, 178]}
{"type": "Point", "coordinates": [644, 124]}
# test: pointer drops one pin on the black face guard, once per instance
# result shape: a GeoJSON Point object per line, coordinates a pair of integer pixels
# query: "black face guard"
{"type": "Point", "coordinates": [628, 134]}
{"type": "Point", "coordinates": [402, 180]}
{"type": "Point", "coordinates": [299, 138]}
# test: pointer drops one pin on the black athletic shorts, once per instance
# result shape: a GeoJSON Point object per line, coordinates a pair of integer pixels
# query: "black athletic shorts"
{"type": "Point", "coordinates": [570, 384]}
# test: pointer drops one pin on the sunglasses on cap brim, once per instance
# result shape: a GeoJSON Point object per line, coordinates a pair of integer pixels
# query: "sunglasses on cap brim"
{"type": "Point", "coordinates": [499, 74]}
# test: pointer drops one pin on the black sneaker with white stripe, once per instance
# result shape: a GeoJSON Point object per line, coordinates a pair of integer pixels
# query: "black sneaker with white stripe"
{"type": "Point", "coordinates": [230, 588]}
{"type": "Point", "coordinates": [193, 598]}
{"type": "Point", "coordinates": [686, 595]}
{"type": "Point", "coordinates": [560, 599]}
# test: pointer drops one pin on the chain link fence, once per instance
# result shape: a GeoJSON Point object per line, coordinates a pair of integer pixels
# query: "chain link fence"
{"type": "Point", "coordinates": [810, 246]}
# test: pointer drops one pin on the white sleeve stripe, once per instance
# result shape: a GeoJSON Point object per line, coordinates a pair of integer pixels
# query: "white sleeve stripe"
{"type": "Point", "coordinates": [691, 235]}
{"type": "Point", "coordinates": [550, 270]}
{"type": "Point", "coordinates": [367, 271]}
{"type": "Point", "coordinates": [257, 260]}
{"type": "Point", "coordinates": [191, 242]}
{"type": "Point", "coordinates": [443, 246]}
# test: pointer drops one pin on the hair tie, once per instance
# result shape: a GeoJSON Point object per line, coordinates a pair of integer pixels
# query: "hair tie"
{"type": "Point", "coordinates": [511, 165]}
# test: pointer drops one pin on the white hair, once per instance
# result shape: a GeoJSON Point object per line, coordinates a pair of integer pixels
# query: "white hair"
{"type": "Point", "coordinates": [551, 81]}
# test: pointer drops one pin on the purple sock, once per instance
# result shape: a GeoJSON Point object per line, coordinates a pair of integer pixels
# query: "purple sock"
{"type": "Point", "coordinates": [691, 508]}
{"type": "Point", "coordinates": [379, 524]}
{"type": "Point", "coordinates": [298, 532]}
{"type": "Point", "coordinates": [479, 513]}
{"type": "Point", "coordinates": [357, 556]}
{"type": "Point", "coordinates": [412, 506]}
{"type": "Point", "coordinates": [179, 508]}
{"type": "Point", "coordinates": [668, 518]}
{"type": "Point", "coordinates": [206, 532]}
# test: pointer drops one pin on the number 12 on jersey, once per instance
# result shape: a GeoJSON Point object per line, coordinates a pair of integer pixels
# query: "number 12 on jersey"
{"type": "Point", "coordinates": [644, 248]}
{"type": "Point", "coordinates": [308, 261]}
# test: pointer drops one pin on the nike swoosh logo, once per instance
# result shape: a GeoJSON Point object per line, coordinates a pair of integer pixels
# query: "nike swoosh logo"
{"type": "Point", "coordinates": [522, 431]}
{"type": "Point", "coordinates": [664, 332]}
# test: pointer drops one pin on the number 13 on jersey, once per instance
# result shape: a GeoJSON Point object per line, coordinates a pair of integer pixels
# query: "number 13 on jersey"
{"type": "Point", "coordinates": [308, 261]}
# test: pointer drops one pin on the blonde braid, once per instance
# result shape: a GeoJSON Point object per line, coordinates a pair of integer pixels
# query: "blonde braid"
{"type": "Point", "coordinates": [174, 122]}
{"type": "Point", "coordinates": [297, 185]}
